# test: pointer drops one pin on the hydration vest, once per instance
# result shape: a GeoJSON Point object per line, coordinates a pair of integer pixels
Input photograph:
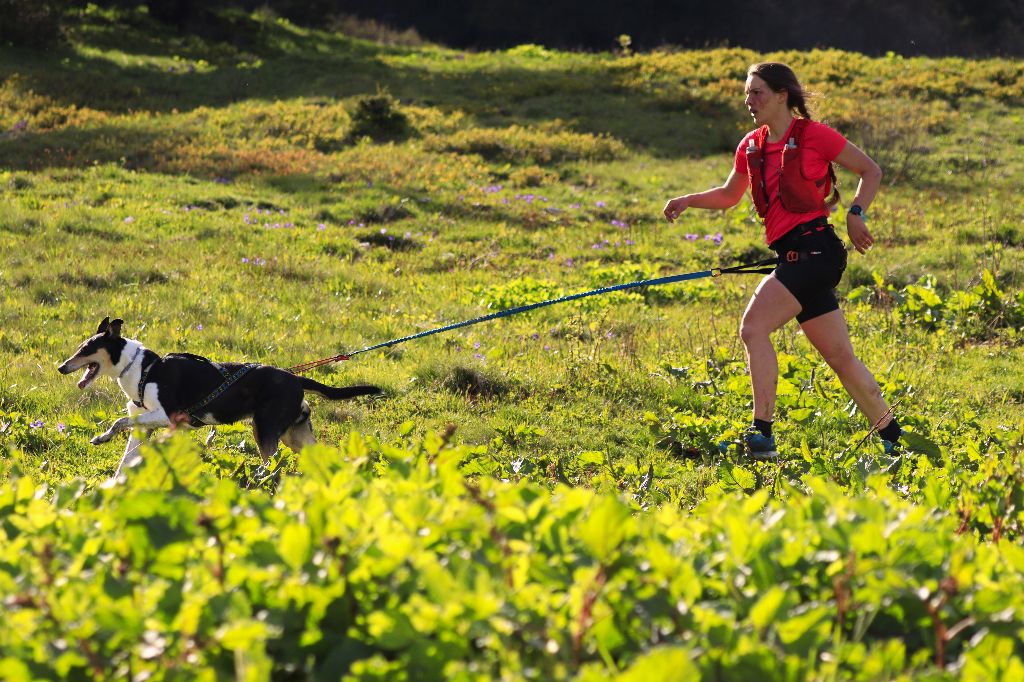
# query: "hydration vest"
{"type": "Point", "coordinates": [797, 193]}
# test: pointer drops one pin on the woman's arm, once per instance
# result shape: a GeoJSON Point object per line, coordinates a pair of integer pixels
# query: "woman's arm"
{"type": "Point", "coordinates": [726, 196]}
{"type": "Point", "coordinates": [853, 159]}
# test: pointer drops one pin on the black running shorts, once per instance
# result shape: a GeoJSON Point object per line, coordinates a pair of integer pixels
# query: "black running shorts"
{"type": "Point", "coordinates": [812, 259]}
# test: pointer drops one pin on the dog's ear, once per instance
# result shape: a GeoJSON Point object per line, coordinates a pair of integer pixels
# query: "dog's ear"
{"type": "Point", "coordinates": [114, 328]}
{"type": "Point", "coordinates": [103, 325]}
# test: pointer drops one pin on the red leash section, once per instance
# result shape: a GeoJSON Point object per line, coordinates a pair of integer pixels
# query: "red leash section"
{"type": "Point", "coordinates": [306, 366]}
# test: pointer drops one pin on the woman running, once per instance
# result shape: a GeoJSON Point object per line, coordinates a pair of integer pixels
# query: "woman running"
{"type": "Point", "coordinates": [787, 164]}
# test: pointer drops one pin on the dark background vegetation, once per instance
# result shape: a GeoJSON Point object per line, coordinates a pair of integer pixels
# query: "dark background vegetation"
{"type": "Point", "coordinates": [906, 27]}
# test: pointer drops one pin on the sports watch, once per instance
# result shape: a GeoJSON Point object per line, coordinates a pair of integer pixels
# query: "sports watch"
{"type": "Point", "coordinates": [856, 209]}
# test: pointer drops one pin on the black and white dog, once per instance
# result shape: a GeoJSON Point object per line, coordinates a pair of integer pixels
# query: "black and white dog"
{"type": "Point", "coordinates": [181, 388]}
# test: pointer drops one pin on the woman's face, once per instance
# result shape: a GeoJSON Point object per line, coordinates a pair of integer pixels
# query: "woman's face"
{"type": "Point", "coordinates": [763, 103]}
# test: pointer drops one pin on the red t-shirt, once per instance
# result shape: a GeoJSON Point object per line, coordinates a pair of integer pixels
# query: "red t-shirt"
{"type": "Point", "coordinates": [820, 143]}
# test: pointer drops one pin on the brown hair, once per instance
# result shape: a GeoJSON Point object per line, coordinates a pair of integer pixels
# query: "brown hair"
{"type": "Point", "coordinates": [780, 77]}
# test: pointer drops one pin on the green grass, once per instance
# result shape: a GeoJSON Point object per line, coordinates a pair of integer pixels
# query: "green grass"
{"type": "Point", "coordinates": [232, 200]}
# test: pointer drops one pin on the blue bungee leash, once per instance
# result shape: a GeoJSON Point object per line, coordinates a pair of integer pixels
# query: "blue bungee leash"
{"type": "Point", "coordinates": [760, 267]}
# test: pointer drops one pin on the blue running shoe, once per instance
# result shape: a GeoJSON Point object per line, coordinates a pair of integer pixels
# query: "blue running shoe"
{"type": "Point", "coordinates": [759, 446]}
{"type": "Point", "coordinates": [892, 447]}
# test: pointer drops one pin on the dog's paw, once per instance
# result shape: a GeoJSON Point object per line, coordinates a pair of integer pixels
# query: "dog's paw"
{"type": "Point", "coordinates": [99, 440]}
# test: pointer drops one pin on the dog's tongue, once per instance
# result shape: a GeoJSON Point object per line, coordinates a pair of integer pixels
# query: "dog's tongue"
{"type": "Point", "coordinates": [87, 375]}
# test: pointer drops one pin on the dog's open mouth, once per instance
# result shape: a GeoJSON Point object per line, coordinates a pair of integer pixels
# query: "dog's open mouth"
{"type": "Point", "coordinates": [90, 373]}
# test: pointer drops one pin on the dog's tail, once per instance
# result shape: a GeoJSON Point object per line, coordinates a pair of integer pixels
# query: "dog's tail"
{"type": "Point", "coordinates": [337, 392]}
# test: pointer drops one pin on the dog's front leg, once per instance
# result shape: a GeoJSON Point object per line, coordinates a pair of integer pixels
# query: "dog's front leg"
{"type": "Point", "coordinates": [117, 427]}
{"type": "Point", "coordinates": [133, 440]}
{"type": "Point", "coordinates": [149, 420]}
{"type": "Point", "coordinates": [130, 451]}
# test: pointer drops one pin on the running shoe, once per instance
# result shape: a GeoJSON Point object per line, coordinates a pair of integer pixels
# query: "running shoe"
{"type": "Point", "coordinates": [758, 445]}
{"type": "Point", "coordinates": [892, 447]}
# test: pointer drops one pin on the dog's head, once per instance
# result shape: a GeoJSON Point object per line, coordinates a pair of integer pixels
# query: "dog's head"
{"type": "Point", "coordinates": [99, 354]}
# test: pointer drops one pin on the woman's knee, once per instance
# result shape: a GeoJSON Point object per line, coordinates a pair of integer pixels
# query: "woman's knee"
{"type": "Point", "coordinates": [752, 333]}
{"type": "Point", "coordinates": [842, 360]}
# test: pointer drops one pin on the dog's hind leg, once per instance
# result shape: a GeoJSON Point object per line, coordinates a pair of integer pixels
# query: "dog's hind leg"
{"type": "Point", "coordinates": [266, 439]}
{"type": "Point", "coordinates": [300, 434]}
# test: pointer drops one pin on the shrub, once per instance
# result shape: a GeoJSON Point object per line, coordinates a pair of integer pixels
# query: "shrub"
{"type": "Point", "coordinates": [378, 117]}
{"type": "Point", "coordinates": [896, 133]}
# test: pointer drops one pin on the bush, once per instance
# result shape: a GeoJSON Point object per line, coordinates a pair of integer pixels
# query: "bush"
{"type": "Point", "coordinates": [378, 117]}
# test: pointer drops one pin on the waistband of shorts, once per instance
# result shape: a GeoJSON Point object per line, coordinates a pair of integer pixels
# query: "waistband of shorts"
{"type": "Point", "coordinates": [811, 228]}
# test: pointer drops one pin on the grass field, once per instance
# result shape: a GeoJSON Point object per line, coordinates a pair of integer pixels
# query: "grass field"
{"type": "Point", "coordinates": [289, 194]}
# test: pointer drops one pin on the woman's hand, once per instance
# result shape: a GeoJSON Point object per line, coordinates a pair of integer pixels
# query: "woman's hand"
{"type": "Point", "coordinates": [675, 207]}
{"type": "Point", "coordinates": [858, 233]}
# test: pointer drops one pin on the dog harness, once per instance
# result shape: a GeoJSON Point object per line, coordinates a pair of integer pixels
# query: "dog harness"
{"type": "Point", "coordinates": [142, 383]}
{"type": "Point", "coordinates": [229, 379]}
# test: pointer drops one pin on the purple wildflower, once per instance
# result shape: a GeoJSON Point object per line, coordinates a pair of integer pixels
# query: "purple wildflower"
{"type": "Point", "coordinates": [37, 424]}
{"type": "Point", "coordinates": [129, 220]}
{"type": "Point", "coordinates": [691, 237]}
{"type": "Point", "coordinates": [61, 427]}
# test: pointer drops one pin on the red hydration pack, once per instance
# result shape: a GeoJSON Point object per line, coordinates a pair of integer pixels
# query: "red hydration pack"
{"type": "Point", "coordinates": [798, 194]}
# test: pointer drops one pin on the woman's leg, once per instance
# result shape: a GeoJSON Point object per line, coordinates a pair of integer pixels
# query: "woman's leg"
{"type": "Point", "coordinates": [830, 335]}
{"type": "Point", "coordinates": [770, 307]}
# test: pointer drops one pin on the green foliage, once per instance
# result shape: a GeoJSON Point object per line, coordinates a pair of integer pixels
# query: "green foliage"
{"type": "Point", "coordinates": [193, 574]}
{"type": "Point", "coordinates": [980, 313]}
